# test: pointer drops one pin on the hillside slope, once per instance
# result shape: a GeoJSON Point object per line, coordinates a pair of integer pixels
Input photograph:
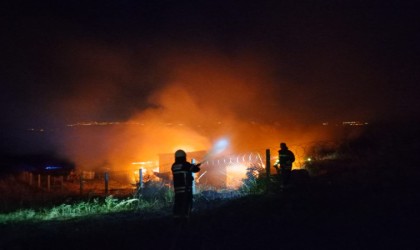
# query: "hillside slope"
{"type": "Point", "coordinates": [332, 211]}
{"type": "Point", "coordinates": [367, 202]}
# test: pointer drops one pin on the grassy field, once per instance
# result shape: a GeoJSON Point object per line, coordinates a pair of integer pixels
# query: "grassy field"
{"type": "Point", "coordinates": [325, 213]}
{"type": "Point", "coordinates": [367, 199]}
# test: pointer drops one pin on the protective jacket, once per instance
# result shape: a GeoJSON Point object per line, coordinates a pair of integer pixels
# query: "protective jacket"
{"type": "Point", "coordinates": [286, 158]}
{"type": "Point", "coordinates": [183, 179]}
{"type": "Point", "coordinates": [182, 175]}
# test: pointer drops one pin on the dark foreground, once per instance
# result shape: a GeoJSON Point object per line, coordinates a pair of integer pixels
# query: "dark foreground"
{"type": "Point", "coordinates": [346, 210]}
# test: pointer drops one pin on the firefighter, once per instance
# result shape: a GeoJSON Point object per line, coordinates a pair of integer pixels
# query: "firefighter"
{"type": "Point", "coordinates": [183, 180]}
{"type": "Point", "coordinates": [286, 159]}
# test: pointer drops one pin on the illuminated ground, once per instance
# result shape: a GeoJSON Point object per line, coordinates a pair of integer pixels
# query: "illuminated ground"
{"type": "Point", "coordinates": [350, 210]}
{"type": "Point", "coordinates": [368, 202]}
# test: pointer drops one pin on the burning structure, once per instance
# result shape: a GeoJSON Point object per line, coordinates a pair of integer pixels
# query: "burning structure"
{"type": "Point", "coordinates": [225, 171]}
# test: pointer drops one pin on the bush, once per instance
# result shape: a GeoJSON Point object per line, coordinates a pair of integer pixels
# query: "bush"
{"type": "Point", "coordinates": [254, 183]}
{"type": "Point", "coordinates": [156, 191]}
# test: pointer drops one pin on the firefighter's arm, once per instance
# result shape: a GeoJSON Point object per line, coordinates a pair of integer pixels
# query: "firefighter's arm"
{"type": "Point", "coordinates": [195, 167]}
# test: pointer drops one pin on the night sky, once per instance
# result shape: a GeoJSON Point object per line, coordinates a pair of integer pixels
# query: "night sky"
{"type": "Point", "coordinates": [306, 61]}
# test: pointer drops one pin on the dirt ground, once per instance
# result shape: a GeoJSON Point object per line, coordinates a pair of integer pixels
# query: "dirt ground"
{"type": "Point", "coordinates": [339, 211]}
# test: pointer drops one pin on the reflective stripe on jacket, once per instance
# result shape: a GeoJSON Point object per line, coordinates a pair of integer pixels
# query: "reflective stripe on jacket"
{"type": "Point", "coordinates": [182, 176]}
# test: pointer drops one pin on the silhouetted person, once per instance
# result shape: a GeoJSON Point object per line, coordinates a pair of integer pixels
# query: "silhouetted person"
{"type": "Point", "coordinates": [286, 159]}
{"type": "Point", "coordinates": [183, 180]}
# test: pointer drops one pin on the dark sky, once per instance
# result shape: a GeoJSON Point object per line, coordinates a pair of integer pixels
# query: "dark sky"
{"type": "Point", "coordinates": [69, 61]}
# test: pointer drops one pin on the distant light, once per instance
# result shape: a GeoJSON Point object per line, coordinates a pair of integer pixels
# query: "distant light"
{"type": "Point", "coordinates": [309, 159]}
{"type": "Point", "coordinates": [52, 167]}
{"type": "Point", "coordinates": [354, 123]}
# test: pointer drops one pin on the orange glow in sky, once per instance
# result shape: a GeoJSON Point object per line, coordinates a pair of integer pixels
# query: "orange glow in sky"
{"type": "Point", "coordinates": [183, 114]}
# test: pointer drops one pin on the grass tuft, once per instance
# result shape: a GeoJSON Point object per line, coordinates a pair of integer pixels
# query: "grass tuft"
{"type": "Point", "coordinates": [81, 209]}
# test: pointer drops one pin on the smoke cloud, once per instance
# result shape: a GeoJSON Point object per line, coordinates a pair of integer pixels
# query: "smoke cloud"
{"type": "Point", "coordinates": [182, 76]}
{"type": "Point", "coordinates": [199, 98]}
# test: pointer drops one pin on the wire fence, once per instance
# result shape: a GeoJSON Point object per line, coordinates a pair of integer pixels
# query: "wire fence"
{"type": "Point", "coordinates": [223, 171]}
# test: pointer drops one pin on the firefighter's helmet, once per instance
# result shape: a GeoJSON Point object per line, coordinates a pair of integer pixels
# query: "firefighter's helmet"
{"type": "Point", "coordinates": [180, 153]}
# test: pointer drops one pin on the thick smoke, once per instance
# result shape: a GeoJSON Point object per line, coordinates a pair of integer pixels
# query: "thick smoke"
{"type": "Point", "coordinates": [204, 96]}
{"type": "Point", "coordinates": [194, 73]}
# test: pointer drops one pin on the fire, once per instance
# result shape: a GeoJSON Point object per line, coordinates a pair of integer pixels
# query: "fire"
{"type": "Point", "coordinates": [144, 170]}
{"type": "Point", "coordinates": [235, 174]}
{"type": "Point", "coordinates": [204, 98]}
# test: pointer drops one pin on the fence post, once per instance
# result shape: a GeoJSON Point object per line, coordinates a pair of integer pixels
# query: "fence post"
{"type": "Point", "coordinates": [267, 166]}
{"type": "Point", "coordinates": [49, 182]}
{"type": "Point", "coordinates": [106, 177]}
{"type": "Point", "coordinates": [39, 180]}
{"type": "Point", "coordinates": [25, 176]}
{"type": "Point", "coordinates": [140, 178]}
{"type": "Point", "coordinates": [30, 179]}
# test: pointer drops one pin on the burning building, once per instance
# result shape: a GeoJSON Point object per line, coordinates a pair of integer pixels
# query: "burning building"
{"type": "Point", "coordinates": [226, 171]}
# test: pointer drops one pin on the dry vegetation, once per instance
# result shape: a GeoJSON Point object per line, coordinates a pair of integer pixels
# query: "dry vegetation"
{"type": "Point", "coordinates": [364, 199]}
